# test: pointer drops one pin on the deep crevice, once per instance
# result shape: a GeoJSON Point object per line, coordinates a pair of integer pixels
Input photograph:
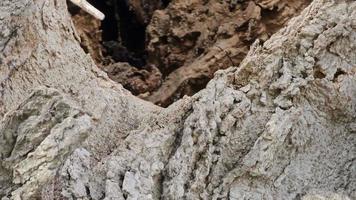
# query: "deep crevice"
{"type": "Point", "coordinates": [338, 73]}
{"type": "Point", "coordinates": [132, 32]}
{"type": "Point", "coordinates": [165, 3]}
{"type": "Point", "coordinates": [123, 39]}
{"type": "Point", "coordinates": [124, 32]}
{"type": "Point", "coordinates": [109, 25]}
{"type": "Point", "coordinates": [123, 36]}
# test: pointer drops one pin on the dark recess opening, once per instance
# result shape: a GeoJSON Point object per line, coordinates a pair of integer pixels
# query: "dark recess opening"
{"type": "Point", "coordinates": [165, 3]}
{"type": "Point", "coordinates": [123, 36]}
{"type": "Point", "coordinates": [109, 25]}
{"type": "Point", "coordinates": [133, 33]}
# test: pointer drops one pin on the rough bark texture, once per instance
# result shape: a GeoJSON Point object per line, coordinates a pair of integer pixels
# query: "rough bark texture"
{"type": "Point", "coordinates": [282, 125]}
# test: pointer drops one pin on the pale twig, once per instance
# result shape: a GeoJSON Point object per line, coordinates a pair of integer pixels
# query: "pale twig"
{"type": "Point", "coordinates": [87, 7]}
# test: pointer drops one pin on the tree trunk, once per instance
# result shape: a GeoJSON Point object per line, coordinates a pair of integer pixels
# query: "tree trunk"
{"type": "Point", "coordinates": [280, 126]}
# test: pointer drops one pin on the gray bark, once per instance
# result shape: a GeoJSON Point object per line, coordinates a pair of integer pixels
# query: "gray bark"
{"type": "Point", "coordinates": [280, 126]}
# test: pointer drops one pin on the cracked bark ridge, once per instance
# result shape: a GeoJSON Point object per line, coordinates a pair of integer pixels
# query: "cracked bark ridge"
{"type": "Point", "coordinates": [279, 126]}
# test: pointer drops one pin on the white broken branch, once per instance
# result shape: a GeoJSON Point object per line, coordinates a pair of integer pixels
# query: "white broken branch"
{"type": "Point", "coordinates": [87, 7]}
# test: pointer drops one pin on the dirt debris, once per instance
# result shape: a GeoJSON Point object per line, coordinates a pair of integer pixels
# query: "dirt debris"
{"type": "Point", "coordinates": [138, 81]}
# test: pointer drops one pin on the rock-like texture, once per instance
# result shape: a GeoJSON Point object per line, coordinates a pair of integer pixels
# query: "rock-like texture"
{"type": "Point", "coordinates": [35, 140]}
{"type": "Point", "coordinates": [281, 125]}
